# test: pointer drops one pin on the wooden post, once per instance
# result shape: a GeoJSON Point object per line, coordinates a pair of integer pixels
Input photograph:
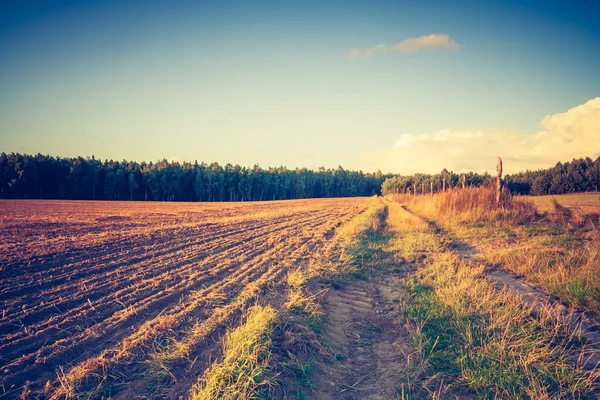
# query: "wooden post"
{"type": "Point", "coordinates": [464, 180]}
{"type": "Point", "coordinates": [498, 181]}
{"type": "Point", "coordinates": [415, 189]}
{"type": "Point", "coordinates": [443, 184]}
{"type": "Point", "coordinates": [431, 187]}
{"type": "Point", "coordinates": [422, 187]}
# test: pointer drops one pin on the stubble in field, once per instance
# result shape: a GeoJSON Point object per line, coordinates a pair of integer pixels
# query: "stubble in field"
{"type": "Point", "coordinates": [104, 299]}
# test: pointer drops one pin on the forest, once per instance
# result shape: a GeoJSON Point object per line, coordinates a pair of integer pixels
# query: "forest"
{"type": "Point", "coordinates": [579, 175]}
{"type": "Point", "coordinates": [44, 177]}
{"type": "Point", "coordinates": [25, 176]}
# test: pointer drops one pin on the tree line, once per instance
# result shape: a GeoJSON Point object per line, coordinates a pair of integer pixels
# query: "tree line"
{"type": "Point", "coordinates": [425, 183]}
{"type": "Point", "coordinates": [40, 176]}
{"type": "Point", "coordinates": [579, 175]}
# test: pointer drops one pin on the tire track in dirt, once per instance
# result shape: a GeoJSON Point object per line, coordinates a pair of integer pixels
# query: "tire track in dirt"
{"type": "Point", "coordinates": [364, 329]}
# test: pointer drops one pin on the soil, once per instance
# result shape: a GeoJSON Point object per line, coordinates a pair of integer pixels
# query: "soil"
{"type": "Point", "coordinates": [364, 328]}
{"type": "Point", "coordinates": [95, 287]}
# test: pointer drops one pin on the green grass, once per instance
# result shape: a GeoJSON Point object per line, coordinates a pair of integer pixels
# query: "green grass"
{"type": "Point", "coordinates": [475, 336]}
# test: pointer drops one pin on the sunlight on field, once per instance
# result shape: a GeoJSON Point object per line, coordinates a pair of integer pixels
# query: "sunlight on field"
{"type": "Point", "coordinates": [107, 298]}
{"type": "Point", "coordinates": [494, 341]}
{"type": "Point", "coordinates": [588, 201]}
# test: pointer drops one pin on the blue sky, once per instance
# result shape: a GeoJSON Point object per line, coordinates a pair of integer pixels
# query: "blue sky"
{"type": "Point", "coordinates": [278, 83]}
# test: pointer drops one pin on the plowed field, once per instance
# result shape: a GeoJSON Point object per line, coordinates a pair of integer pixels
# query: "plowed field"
{"type": "Point", "coordinates": [92, 293]}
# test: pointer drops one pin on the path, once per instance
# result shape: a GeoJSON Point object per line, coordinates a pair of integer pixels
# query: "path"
{"type": "Point", "coordinates": [364, 329]}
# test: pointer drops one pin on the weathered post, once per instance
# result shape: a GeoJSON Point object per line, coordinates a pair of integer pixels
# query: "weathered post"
{"type": "Point", "coordinates": [498, 181]}
{"type": "Point", "coordinates": [443, 184]}
{"type": "Point", "coordinates": [431, 187]}
{"type": "Point", "coordinates": [422, 187]}
{"type": "Point", "coordinates": [415, 189]}
{"type": "Point", "coordinates": [464, 180]}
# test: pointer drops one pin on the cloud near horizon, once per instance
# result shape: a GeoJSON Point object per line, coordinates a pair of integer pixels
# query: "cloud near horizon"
{"type": "Point", "coordinates": [563, 136]}
{"type": "Point", "coordinates": [435, 41]}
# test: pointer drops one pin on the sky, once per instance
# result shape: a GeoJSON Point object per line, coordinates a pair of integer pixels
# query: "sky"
{"type": "Point", "coordinates": [396, 86]}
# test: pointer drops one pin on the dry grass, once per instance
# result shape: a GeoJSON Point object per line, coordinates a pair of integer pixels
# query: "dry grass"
{"type": "Point", "coordinates": [570, 271]}
{"type": "Point", "coordinates": [471, 205]}
{"type": "Point", "coordinates": [475, 336]}
{"type": "Point", "coordinates": [557, 250]}
{"type": "Point", "coordinates": [246, 356]}
{"type": "Point", "coordinates": [587, 201]}
{"type": "Point", "coordinates": [488, 340]}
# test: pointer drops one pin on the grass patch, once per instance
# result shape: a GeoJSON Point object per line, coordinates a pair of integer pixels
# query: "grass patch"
{"type": "Point", "coordinates": [477, 337]}
{"type": "Point", "coordinates": [487, 339]}
{"type": "Point", "coordinates": [557, 250]}
{"type": "Point", "coordinates": [246, 356]}
{"type": "Point", "coordinates": [366, 248]}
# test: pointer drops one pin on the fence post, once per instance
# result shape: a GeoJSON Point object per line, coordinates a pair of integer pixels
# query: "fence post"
{"type": "Point", "coordinates": [431, 186]}
{"type": "Point", "coordinates": [464, 180]}
{"type": "Point", "coordinates": [444, 184]}
{"type": "Point", "coordinates": [498, 181]}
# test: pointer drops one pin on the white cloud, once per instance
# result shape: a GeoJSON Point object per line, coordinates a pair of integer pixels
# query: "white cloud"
{"type": "Point", "coordinates": [435, 41]}
{"type": "Point", "coordinates": [563, 136]}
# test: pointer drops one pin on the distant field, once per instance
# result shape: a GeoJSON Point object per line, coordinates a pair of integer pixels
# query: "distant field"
{"type": "Point", "coordinates": [588, 202]}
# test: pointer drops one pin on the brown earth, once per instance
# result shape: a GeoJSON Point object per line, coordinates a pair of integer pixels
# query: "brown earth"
{"type": "Point", "coordinates": [94, 293]}
{"type": "Point", "coordinates": [365, 330]}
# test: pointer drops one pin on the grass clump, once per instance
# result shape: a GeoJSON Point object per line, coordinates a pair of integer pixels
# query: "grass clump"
{"type": "Point", "coordinates": [307, 307]}
{"type": "Point", "coordinates": [473, 336]}
{"type": "Point", "coordinates": [365, 250]}
{"type": "Point", "coordinates": [557, 250]}
{"type": "Point", "coordinates": [477, 204]}
{"type": "Point", "coordinates": [488, 340]}
{"type": "Point", "coordinates": [356, 252]}
{"type": "Point", "coordinates": [246, 357]}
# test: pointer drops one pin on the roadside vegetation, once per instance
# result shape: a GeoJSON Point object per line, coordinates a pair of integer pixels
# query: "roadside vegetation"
{"type": "Point", "coordinates": [468, 337]}
{"type": "Point", "coordinates": [472, 335]}
{"type": "Point", "coordinates": [276, 353]}
{"type": "Point", "coordinates": [556, 250]}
